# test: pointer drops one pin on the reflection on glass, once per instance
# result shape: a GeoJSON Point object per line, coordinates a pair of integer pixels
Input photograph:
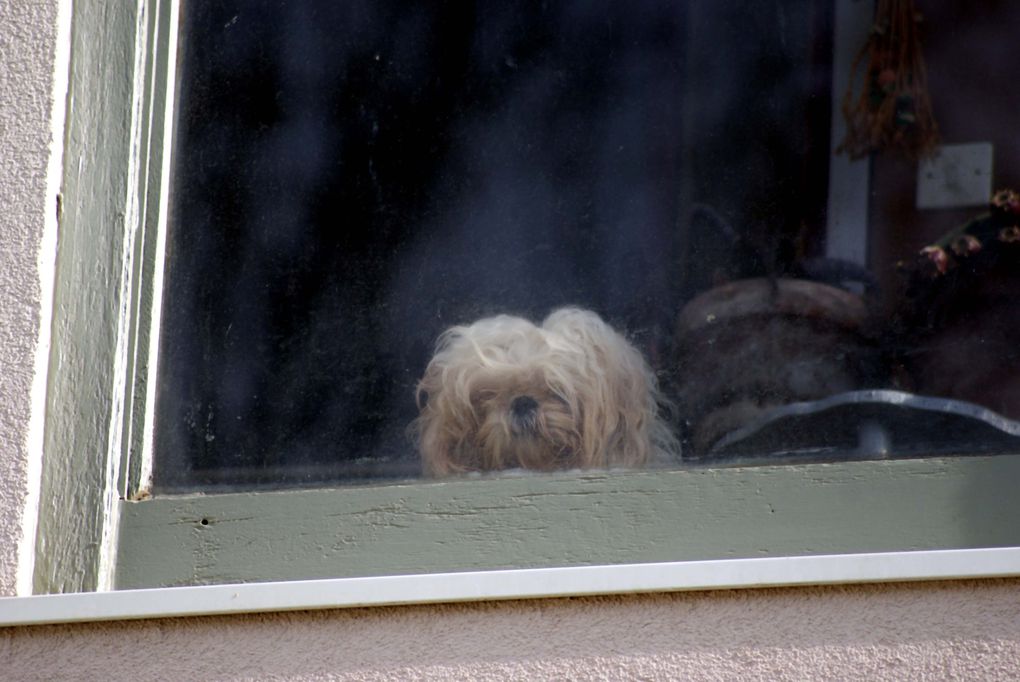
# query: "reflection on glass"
{"type": "Point", "coordinates": [502, 235]}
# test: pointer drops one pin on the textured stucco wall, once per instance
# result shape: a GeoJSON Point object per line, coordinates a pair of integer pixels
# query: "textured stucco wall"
{"type": "Point", "coordinates": [27, 48]}
{"type": "Point", "coordinates": [952, 630]}
{"type": "Point", "coordinates": [963, 630]}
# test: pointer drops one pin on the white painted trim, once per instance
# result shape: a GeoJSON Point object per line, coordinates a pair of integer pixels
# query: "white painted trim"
{"type": "Point", "coordinates": [510, 584]}
{"type": "Point", "coordinates": [156, 313]}
{"type": "Point", "coordinates": [135, 227]}
{"type": "Point", "coordinates": [118, 398]}
{"type": "Point", "coordinates": [134, 219]}
{"type": "Point", "coordinates": [46, 266]}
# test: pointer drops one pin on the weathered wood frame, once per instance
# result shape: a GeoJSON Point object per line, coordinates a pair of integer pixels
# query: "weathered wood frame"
{"type": "Point", "coordinates": [105, 315]}
{"type": "Point", "coordinates": [107, 270]}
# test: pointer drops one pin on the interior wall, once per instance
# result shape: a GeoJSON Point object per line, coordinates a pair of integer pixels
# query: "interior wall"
{"type": "Point", "coordinates": [970, 50]}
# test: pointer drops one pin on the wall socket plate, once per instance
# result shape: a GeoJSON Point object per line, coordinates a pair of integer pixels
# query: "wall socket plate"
{"type": "Point", "coordinates": [958, 175]}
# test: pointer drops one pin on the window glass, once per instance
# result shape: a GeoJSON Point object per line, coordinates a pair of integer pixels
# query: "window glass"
{"type": "Point", "coordinates": [458, 238]}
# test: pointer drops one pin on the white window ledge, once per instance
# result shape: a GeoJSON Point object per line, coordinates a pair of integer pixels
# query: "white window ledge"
{"type": "Point", "coordinates": [509, 584]}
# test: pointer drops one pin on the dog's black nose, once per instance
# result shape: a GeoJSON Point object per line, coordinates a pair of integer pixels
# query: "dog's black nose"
{"type": "Point", "coordinates": [523, 415]}
{"type": "Point", "coordinates": [523, 406]}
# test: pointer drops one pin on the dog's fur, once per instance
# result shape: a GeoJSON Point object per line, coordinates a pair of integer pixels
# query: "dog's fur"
{"type": "Point", "coordinates": [504, 393]}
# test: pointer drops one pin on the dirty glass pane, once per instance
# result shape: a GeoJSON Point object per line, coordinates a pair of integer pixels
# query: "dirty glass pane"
{"type": "Point", "coordinates": [353, 179]}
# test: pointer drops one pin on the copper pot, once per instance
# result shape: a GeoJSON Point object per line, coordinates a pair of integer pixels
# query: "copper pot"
{"type": "Point", "coordinates": [750, 345]}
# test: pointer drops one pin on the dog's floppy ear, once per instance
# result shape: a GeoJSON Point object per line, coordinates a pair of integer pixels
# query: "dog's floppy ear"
{"type": "Point", "coordinates": [434, 395]}
{"type": "Point", "coordinates": [620, 410]}
{"type": "Point", "coordinates": [446, 413]}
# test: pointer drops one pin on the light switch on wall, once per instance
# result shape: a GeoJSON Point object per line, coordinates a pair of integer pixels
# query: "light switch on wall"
{"type": "Point", "coordinates": [958, 175]}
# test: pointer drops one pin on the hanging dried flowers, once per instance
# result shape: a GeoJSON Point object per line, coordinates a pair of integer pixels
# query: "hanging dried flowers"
{"type": "Point", "coordinates": [893, 109]}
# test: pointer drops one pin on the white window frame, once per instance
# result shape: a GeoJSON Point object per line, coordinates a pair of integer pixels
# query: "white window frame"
{"type": "Point", "coordinates": [100, 420]}
{"type": "Point", "coordinates": [578, 581]}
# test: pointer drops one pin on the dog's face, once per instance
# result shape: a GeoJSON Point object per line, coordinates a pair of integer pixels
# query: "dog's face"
{"type": "Point", "coordinates": [504, 393]}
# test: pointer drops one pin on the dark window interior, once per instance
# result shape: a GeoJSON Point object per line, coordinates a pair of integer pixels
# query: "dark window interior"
{"type": "Point", "coordinates": [353, 178]}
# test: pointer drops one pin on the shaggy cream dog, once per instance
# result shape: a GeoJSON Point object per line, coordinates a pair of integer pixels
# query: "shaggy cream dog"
{"type": "Point", "coordinates": [572, 393]}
